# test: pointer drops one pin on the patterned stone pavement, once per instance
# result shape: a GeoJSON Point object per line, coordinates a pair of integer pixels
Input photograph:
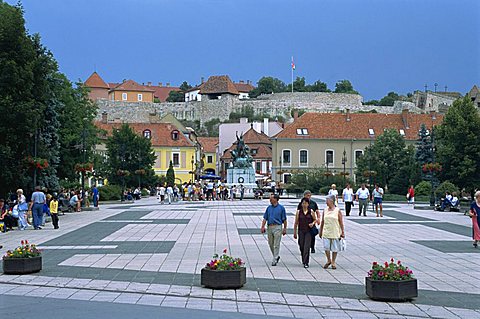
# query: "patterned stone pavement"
{"type": "Point", "coordinates": [147, 254]}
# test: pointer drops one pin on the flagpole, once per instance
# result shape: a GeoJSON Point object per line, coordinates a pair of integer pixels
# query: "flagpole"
{"type": "Point", "coordinates": [291, 67]}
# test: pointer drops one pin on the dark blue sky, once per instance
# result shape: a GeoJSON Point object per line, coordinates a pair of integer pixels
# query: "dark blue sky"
{"type": "Point", "coordinates": [380, 45]}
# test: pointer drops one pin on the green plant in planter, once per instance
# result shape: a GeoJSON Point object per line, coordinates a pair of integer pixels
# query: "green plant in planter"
{"type": "Point", "coordinates": [224, 262]}
{"type": "Point", "coordinates": [393, 271]}
{"type": "Point", "coordinates": [26, 250]}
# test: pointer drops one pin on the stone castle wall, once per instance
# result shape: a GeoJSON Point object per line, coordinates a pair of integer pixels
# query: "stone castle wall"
{"type": "Point", "coordinates": [278, 104]}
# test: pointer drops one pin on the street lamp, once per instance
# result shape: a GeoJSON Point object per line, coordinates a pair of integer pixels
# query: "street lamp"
{"type": "Point", "coordinates": [84, 150]}
{"type": "Point", "coordinates": [371, 134]}
{"type": "Point", "coordinates": [193, 178]}
{"type": "Point", "coordinates": [344, 162]}
{"type": "Point", "coordinates": [432, 139]}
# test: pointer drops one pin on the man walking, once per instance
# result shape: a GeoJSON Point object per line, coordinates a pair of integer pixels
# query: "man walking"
{"type": "Point", "coordinates": [348, 196]}
{"type": "Point", "coordinates": [363, 194]}
{"type": "Point", "coordinates": [314, 207]}
{"type": "Point", "coordinates": [36, 207]}
{"type": "Point", "coordinates": [275, 215]}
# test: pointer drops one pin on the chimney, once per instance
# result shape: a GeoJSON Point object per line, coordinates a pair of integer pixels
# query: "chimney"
{"type": "Point", "coordinates": [104, 117]}
{"type": "Point", "coordinates": [295, 116]}
{"type": "Point", "coordinates": [433, 114]}
{"type": "Point", "coordinates": [405, 118]}
{"type": "Point", "coordinates": [160, 84]}
{"type": "Point", "coordinates": [265, 126]}
{"type": "Point", "coordinates": [149, 83]}
{"type": "Point", "coordinates": [202, 80]}
{"type": "Point", "coordinates": [347, 111]}
{"type": "Point", "coordinates": [241, 81]}
{"type": "Point", "coordinates": [168, 84]}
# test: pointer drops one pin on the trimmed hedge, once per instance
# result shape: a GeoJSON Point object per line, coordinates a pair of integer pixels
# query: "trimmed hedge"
{"type": "Point", "coordinates": [110, 192]}
{"type": "Point", "coordinates": [423, 188]}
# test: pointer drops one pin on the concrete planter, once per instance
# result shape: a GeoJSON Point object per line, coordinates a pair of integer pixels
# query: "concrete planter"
{"type": "Point", "coordinates": [21, 266]}
{"type": "Point", "coordinates": [223, 279]}
{"type": "Point", "coordinates": [385, 290]}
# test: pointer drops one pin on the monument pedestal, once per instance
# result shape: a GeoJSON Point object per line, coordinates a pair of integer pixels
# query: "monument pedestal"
{"type": "Point", "coordinates": [242, 176]}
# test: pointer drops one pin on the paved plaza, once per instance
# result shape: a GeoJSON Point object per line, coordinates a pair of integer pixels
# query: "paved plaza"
{"type": "Point", "coordinates": [144, 260]}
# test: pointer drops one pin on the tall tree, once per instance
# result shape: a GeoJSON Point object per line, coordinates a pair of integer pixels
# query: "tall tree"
{"type": "Point", "coordinates": [344, 86]}
{"type": "Point", "coordinates": [457, 141]}
{"type": "Point", "coordinates": [268, 85]}
{"type": "Point", "coordinates": [128, 152]}
{"type": "Point", "coordinates": [170, 175]}
{"type": "Point", "coordinates": [318, 86]}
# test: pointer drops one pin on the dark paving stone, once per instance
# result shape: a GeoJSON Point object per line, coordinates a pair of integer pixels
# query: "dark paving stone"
{"type": "Point", "coordinates": [260, 214]}
{"type": "Point", "coordinates": [449, 246]}
{"type": "Point", "coordinates": [452, 228]}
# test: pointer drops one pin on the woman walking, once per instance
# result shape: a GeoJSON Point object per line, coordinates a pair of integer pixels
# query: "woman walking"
{"type": "Point", "coordinates": [331, 230]}
{"type": "Point", "coordinates": [475, 214]}
{"type": "Point", "coordinates": [22, 209]}
{"type": "Point", "coordinates": [304, 222]}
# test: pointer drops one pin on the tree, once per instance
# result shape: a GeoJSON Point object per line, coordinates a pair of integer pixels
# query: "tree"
{"type": "Point", "coordinates": [176, 96]}
{"type": "Point", "coordinates": [298, 85]}
{"type": "Point", "coordinates": [317, 86]}
{"type": "Point", "coordinates": [268, 85]}
{"type": "Point", "coordinates": [184, 87]}
{"type": "Point", "coordinates": [389, 99]}
{"type": "Point", "coordinates": [170, 175]}
{"type": "Point", "coordinates": [424, 151]}
{"type": "Point", "coordinates": [372, 102]}
{"type": "Point", "coordinates": [344, 86]}
{"type": "Point", "coordinates": [128, 152]}
{"type": "Point", "coordinates": [388, 157]}
{"type": "Point", "coordinates": [457, 141]}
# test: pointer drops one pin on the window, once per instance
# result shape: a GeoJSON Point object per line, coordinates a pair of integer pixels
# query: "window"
{"type": "Point", "coordinates": [302, 131]}
{"type": "Point", "coordinates": [175, 135]}
{"type": "Point", "coordinates": [124, 96]}
{"type": "Point", "coordinates": [258, 166]}
{"type": "Point", "coordinates": [140, 97]}
{"type": "Point", "coordinates": [176, 159]}
{"type": "Point", "coordinates": [329, 157]}
{"type": "Point", "coordinates": [209, 159]}
{"type": "Point", "coordinates": [358, 154]}
{"type": "Point", "coordinates": [303, 157]}
{"type": "Point", "coordinates": [371, 132]}
{"type": "Point", "coordinates": [254, 151]}
{"type": "Point", "coordinates": [147, 134]}
{"type": "Point", "coordinates": [287, 178]}
{"type": "Point", "coordinates": [286, 157]}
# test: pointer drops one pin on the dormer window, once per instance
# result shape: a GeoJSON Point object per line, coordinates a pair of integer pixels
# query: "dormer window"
{"type": "Point", "coordinates": [147, 134]}
{"type": "Point", "coordinates": [254, 151]}
{"type": "Point", "coordinates": [302, 131]}
{"type": "Point", "coordinates": [175, 135]}
{"type": "Point", "coordinates": [402, 132]}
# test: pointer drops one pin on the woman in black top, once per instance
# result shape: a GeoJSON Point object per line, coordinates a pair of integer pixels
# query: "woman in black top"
{"type": "Point", "coordinates": [304, 221]}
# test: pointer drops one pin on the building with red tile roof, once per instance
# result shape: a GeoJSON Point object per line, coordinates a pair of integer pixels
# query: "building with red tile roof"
{"type": "Point", "coordinates": [208, 146]}
{"type": "Point", "coordinates": [317, 140]}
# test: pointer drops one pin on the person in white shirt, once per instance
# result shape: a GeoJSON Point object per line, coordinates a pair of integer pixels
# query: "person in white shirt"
{"type": "Point", "coordinates": [363, 194]}
{"type": "Point", "coordinates": [169, 194]}
{"type": "Point", "coordinates": [161, 191]}
{"type": "Point", "coordinates": [377, 199]}
{"type": "Point", "coordinates": [333, 191]}
{"type": "Point", "coordinates": [348, 196]}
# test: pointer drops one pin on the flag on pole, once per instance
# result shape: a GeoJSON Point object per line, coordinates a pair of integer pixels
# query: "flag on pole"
{"type": "Point", "coordinates": [293, 64]}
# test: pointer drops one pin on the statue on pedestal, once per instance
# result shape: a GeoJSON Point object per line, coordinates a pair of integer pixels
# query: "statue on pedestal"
{"type": "Point", "coordinates": [241, 154]}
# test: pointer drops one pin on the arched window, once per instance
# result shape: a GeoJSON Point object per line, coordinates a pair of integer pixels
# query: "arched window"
{"type": "Point", "coordinates": [147, 134]}
{"type": "Point", "coordinates": [175, 135]}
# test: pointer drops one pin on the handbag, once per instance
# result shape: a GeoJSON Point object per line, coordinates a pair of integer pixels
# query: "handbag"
{"type": "Point", "coordinates": [343, 244]}
{"type": "Point", "coordinates": [23, 206]}
{"type": "Point", "coordinates": [15, 212]}
{"type": "Point", "coordinates": [314, 230]}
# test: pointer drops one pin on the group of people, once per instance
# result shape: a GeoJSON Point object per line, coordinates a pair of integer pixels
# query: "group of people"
{"type": "Point", "coordinates": [16, 213]}
{"type": "Point", "coordinates": [362, 196]}
{"type": "Point", "coordinates": [199, 191]}
{"type": "Point", "coordinates": [307, 217]}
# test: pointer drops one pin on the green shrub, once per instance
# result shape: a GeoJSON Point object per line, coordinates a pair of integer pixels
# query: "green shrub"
{"type": "Point", "coordinates": [110, 192]}
{"type": "Point", "coordinates": [446, 187]}
{"type": "Point", "coordinates": [423, 188]}
{"type": "Point", "coordinates": [324, 190]}
{"type": "Point", "coordinates": [145, 192]}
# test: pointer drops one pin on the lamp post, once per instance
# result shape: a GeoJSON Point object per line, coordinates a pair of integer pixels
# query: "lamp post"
{"type": "Point", "coordinates": [371, 134]}
{"type": "Point", "coordinates": [193, 178]}
{"type": "Point", "coordinates": [122, 165]}
{"type": "Point", "coordinates": [84, 151]}
{"type": "Point", "coordinates": [344, 162]}
{"type": "Point", "coordinates": [432, 176]}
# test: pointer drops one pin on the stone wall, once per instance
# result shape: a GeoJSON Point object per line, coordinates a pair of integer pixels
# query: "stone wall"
{"type": "Point", "coordinates": [278, 104]}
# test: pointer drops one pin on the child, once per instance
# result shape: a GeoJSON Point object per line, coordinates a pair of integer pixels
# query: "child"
{"type": "Point", "coordinates": [54, 211]}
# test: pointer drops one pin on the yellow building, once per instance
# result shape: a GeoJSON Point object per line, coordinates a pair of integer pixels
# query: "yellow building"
{"type": "Point", "coordinates": [131, 91]}
{"type": "Point", "coordinates": [208, 146]}
{"type": "Point", "coordinates": [168, 143]}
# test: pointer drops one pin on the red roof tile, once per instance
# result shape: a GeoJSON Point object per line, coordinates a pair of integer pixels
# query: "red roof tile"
{"type": "Point", "coordinates": [209, 144]}
{"type": "Point", "coordinates": [243, 87]}
{"type": "Point", "coordinates": [162, 92]}
{"type": "Point", "coordinates": [336, 126]}
{"type": "Point", "coordinates": [218, 84]}
{"type": "Point", "coordinates": [254, 140]}
{"type": "Point", "coordinates": [161, 133]}
{"type": "Point", "coordinates": [131, 85]}
{"type": "Point", "coordinates": [95, 81]}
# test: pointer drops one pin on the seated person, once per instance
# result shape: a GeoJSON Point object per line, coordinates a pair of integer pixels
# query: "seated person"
{"type": "Point", "coordinates": [454, 200]}
{"type": "Point", "coordinates": [447, 201]}
{"type": "Point", "coordinates": [6, 217]}
{"type": "Point", "coordinates": [75, 202]}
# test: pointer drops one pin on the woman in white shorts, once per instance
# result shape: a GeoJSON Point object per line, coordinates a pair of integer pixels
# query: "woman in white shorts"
{"type": "Point", "coordinates": [331, 231]}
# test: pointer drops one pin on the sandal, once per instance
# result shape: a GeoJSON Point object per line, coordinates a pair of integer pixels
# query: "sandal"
{"type": "Point", "coordinates": [334, 267]}
{"type": "Point", "coordinates": [326, 265]}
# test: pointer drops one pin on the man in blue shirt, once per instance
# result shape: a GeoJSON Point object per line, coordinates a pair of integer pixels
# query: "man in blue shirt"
{"type": "Point", "coordinates": [95, 196]}
{"type": "Point", "coordinates": [275, 215]}
{"type": "Point", "coordinates": [36, 206]}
